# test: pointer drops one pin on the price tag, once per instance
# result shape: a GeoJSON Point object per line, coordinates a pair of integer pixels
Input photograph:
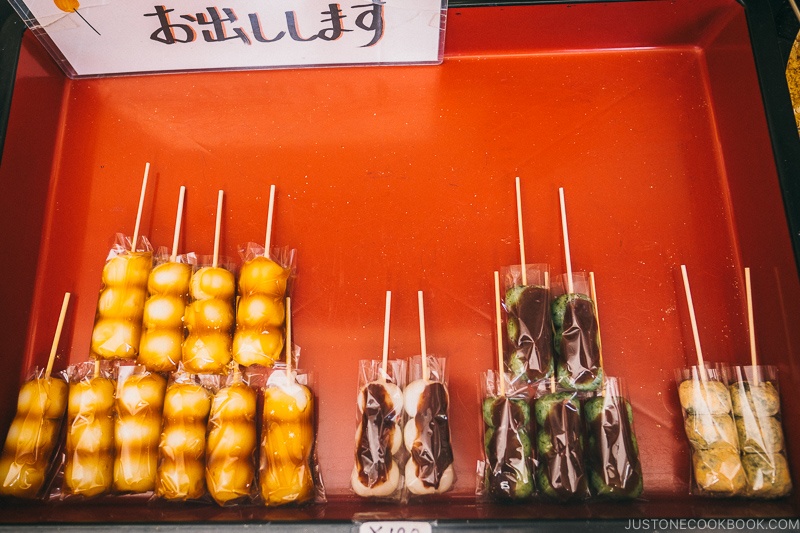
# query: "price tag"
{"type": "Point", "coordinates": [395, 527]}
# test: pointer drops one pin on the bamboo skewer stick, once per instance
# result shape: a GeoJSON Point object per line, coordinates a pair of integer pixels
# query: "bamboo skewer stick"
{"type": "Point", "coordinates": [570, 285]}
{"type": "Point", "coordinates": [523, 266]}
{"type": "Point", "coordinates": [385, 355]}
{"type": "Point", "coordinates": [289, 338]}
{"type": "Point", "coordinates": [217, 227]}
{"type": "Point", "coordinates": [270, 211]}
{"type": "Point", "coordinates": [178, 220]}
{"type": "Point", "coordinates": [422, 341]}
{"type": "Point", "coordinates": [700, 362]}
{"type": "Point", "coordinates": [751, 325]}
{"type": "Point", "coordinates": [141, 207]}
{"type": "Point", "coordinates": [57, 336]}
{"type": "Point", "coordinates": [498, 323]}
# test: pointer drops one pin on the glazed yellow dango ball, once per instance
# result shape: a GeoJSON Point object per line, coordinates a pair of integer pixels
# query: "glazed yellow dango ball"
{"type": "Point", "coordinates": [213, 282]}
{"type": "Point", "coordinates": [236, 401]}
{"type": "Point", "coordinates": [254, 347]}
{"type": "Point", "coordinates": [135, 475]}
{"type": "Point", "coordinates": [170, 279]}
{"type": "Point", "coordinates": [141, 392]}
{"type": "Point", "coordinates": [229, 480]}
{"type": "Point", "coordinates": [178, 480]}
{"type": "Point", "coordinates": [121, 302]}
{"type": "Point", "coordinates": [286, 483]}
{"type": "Point", "coordinates": [115, 339]}
{"type": "Point", "coordinates": [90, 397]}
{"type": "Point", "coordinates": [233, 437]}
{"type": "Point", "coordinates": [129, 269]}
{"type": "Point", "coordinates": [187, 401]}
{"type": "Point", "coordinates": [263, 276]}
{"type": "Point", "coordinates": [19, 478]}
{"type": "Point", "coordinates": [177, 441]}
{"type": "Point", "coordinates": [209, 315]}
{"type": "Point", "coordinates": [207, 353]}
{"type": "Point", "coordinates": [43, 397]}
{"type": "Point", "coordinates": [163, 311]}
{"type": "Point", "coordinates": [290, 441]}
{"type": "Point", "coordinates": [160, 349]}
{"type": "Point", "coordinates": [89, 477]}
{"type": "Point", "coordinates": [137, 434]}
{"type": "Point", "coordinates": [289, 403]}
{"type": "Point", "coordinates": [30, 434]}
{"type": "Point", "coordinates": [89, 436]}
{"type": "Point", "coordinates": [260, 312]}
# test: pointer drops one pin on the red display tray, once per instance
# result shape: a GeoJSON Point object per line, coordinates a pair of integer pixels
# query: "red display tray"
{"type": "Point", "coordinates": [402, 178]}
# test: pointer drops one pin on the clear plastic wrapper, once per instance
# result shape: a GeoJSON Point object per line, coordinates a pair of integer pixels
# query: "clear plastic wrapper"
{"type": "Point", "coordinates": [89, 453]}
{"type": "Point", "coordinates": [756, 406]}
{"type": "Point", "coordinates": [708, 422]}
{"type": "Point", "coordinates": [561, 473]}
{"type": "Point", "coordinates": [209, 318]}
{"type": "Point", "coordinates": [288, 474]}
{"type": "Point", "coordinates": [379, 451]}
{"type": "Point", "coordinates": [575, 336]}
{"type": "Point", "coordinates": [28, 459]}
{"type": "Point", "coordinates": [137, 429]}
{"type": "Point", "coordinates": [231, 442]}
{"type": "Point", "coordinates": [509, 457]}
{"type": "Point", "coordinates": [260, 310]}
{"type": "Point", "coordinates": [528, 344]}
{"type": "Point", "coordinates": [182, 447]}
{"type": "Point", "coordinates": [120, 306]}
{"type": "Point", "coordinates": [427, 431]}
{"type": "Point", "coordinates": [162, 321]}
{"type": "Point", "coordinates": [613, 451]}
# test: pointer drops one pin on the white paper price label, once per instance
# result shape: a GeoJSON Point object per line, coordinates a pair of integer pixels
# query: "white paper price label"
{"type": "Point", "coordinates": [395, 527]}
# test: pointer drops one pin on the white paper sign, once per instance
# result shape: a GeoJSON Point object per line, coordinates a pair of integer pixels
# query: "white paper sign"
{"type": "Point", "coordinates": [100, 37]}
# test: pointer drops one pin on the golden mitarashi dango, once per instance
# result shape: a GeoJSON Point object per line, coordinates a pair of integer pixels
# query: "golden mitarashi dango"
{"type": "Point", "coordinates": [287, 441]}
{"type": "Point", "coordinates": [258, 347]}
{"type": "Point", "coordinates": [32, 437]}
{"type": "Point", "coordinates": [139, 405]}
{"type": "Point", "coordinates": [89, 458]}
{"type": "Point", "coordinates": [181, 474]}
{"type": "Point", "coordinates": [230, 449]}
{"type": "Point", "coordinates": [213, 283]}
{"type": "Point", "coordinates": [262, 275]}
{"type": "Point", "coordinates": [260, 312]}
{"type": "Point", "coordinates": [170, 279]}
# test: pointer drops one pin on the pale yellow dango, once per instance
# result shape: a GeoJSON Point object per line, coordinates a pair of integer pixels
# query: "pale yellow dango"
{"type": "Point", "coordinates": [260, 312]}
{"type": "Point", "coordinates": [213, 282]}
{"type": "Point", "coordinates": [115, 339]}
{"type": "Point", "coordinates": [90, 436]}
{"type": "Point", "coordinates": [89, 476]}
{"type": "Point", "coordinates": [170, 279]}
{"type": "Point", "coordinates": [258, 347]}
{"type": "Point", "coordinates": [128, 269]}
{"type": "Point", "coordinates": [187, 400]}
{"type": "Point", "coordinates": [163, 311]}
{"type": "Point", "coordinates": [90, 397]}
{"type": "Point", "coordinates": [43, 397]}
{"type": "Point", "coordinates": [124, 303]}
{"type": "Point", "coordinates": [288, 403]}
{"type": "Point", "coordinates": [207, 354]}
{"type": "Point", "coordinates": [230, 451]}
{"type": "Point", "coordinates": [141, 392]}
{"type": "Point", "coordinates": [160, 349]}
{"type": "Point", "coordinates": [264, 276]}
{"type": "Point", "coordinates": [213, 314]}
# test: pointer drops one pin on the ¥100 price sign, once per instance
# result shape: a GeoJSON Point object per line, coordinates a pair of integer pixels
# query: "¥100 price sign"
{"type": "Point", "coordinates": [107, 37]}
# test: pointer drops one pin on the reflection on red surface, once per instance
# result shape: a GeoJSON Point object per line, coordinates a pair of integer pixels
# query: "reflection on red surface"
{"type": "Point", "coordinates": [402, 179]}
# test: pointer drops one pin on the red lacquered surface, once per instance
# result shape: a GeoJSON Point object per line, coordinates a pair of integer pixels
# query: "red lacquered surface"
{"type": "Point", "coordinates": [402, 179]}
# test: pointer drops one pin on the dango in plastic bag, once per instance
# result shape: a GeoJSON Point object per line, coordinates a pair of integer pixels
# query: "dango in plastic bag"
{"type": "Point", "coordinates": [613, 451]}
{"type": "Point", "coordinates": [120, 306]}
{"type": "Point", "coordinates": [162, 323]}
{"type": "Point", "coordinates": [182, 448]}
{"type": "Point", "coordinates": [33, 437]}
{"type": "Point", "coordinates": [561, 473]}
{"type": "Point", "coordinates": [529, 328]}
{"type": "Point", "coordinates": [209, 319]}
{"type": "Point", "coordinates": [89, 458]}
{"type": "Point", "coordinates": [756, 406]}
{"type": "Point", "coordinates": [575, 339]}
{"type": "Point", "coordinates": [260, 309]}
{"type": "Point", "coordinates": [137, 429]}
{"type": "Point", "coordinates": [708, 422]}
{"type": "Point", "coordinates": [509, 458]}
{"type": "Point", "coordinates": [427, 431]}
{"type": "Point", "coordinates": [288, 439]}
{"type": "Point", "coordinates": [379, 434]}
{"type": "Point", "coordinates": [231, 441]}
